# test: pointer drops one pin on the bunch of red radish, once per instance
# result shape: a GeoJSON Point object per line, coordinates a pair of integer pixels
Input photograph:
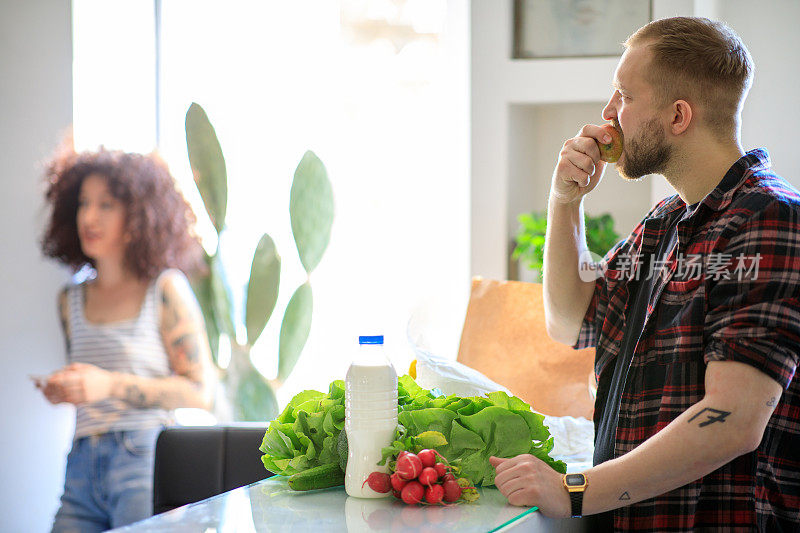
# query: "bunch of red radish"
{"type": "Point", "coordinates": [419, 477]}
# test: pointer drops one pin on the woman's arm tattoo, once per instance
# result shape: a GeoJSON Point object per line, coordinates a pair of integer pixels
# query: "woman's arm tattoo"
{"type": "Point", "coordinates": [184, 337]}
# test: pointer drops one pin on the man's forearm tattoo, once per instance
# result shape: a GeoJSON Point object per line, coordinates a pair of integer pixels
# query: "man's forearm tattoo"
{"type": "Point", "coordinates": [772, 401]}
{"type": "Point", "coordinates": [712, 415]}
{"type": "Point", "coordinates": [624, 496]}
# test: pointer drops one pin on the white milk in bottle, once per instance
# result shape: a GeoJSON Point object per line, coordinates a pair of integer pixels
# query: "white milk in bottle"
{"type": "Point", "coordinates": [370, 418]}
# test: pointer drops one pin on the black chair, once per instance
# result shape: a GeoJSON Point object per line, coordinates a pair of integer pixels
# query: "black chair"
{"type": "Point", "coordinates": [194, 463]}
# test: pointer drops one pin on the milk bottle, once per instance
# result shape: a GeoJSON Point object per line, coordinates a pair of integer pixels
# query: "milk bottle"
{"type": "Point", "coordinates": [370, 414]}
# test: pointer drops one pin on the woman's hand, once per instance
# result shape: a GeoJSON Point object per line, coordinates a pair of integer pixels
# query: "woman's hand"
{"type": "Point", "coordinates": [79, 383]}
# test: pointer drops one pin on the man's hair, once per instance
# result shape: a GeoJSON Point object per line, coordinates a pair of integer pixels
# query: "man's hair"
{"type": "Point", "coordinates": [701, 61]}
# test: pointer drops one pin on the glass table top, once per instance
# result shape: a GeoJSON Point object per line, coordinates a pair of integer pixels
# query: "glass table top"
{"type": "Point", "coordinates": [270, 505]}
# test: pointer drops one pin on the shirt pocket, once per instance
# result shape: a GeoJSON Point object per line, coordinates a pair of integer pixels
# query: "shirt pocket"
{"type": "Point", "coordinates": [681, 292]}
{"type": "Point", "coordinates": [680, 320]}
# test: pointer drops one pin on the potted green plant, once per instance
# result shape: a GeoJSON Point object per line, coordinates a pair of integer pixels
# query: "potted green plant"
{"type": "Point", "coordinates": [529, 248]}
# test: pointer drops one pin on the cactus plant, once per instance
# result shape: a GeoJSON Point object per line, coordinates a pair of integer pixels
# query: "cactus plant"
{"type": "Point", "coordinates": [251, 395]}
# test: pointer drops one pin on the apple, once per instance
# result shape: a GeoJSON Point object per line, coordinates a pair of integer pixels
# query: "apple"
{"type": "Point", "coordinates": [611, 152]}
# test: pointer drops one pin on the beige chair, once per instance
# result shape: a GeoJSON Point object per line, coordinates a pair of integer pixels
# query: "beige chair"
{"type": "Point", "coordinates": [505, 338]}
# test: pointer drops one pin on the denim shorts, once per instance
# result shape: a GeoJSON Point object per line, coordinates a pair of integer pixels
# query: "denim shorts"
{"type": "Point", "coordinates": [109, 481]}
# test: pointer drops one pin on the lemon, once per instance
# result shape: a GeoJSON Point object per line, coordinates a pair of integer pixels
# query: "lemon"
{"type": "Point", "coordinates": [412, 369]}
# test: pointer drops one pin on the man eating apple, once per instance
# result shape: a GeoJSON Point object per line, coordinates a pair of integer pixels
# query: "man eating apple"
{"type": "Point", "coordinates": [695, 316]}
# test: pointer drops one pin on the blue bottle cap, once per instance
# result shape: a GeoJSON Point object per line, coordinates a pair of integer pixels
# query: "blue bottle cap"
{"type": "Point", "coordinates": [366, 339]}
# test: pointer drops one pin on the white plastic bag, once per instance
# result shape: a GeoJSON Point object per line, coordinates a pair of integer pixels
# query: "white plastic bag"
{"type": "Point", "coordinates": [573, 437]}
{"type": "Point", "coordinates": [451, 377]}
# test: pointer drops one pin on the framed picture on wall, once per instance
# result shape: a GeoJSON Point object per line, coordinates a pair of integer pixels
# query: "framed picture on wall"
{"type": "Point", "coordinates": [576, 28]}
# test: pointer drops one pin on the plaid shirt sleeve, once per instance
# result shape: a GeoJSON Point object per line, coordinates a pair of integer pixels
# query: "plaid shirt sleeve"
{"type": "Point", "coordinates": [590, 327]}
{"type": "Point", "coordinates": [756, 319]}
{"type": "Point", "coordinates": [587, 336]}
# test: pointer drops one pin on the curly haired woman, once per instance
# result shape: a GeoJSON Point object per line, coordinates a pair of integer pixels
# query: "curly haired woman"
{"type": "Point", "coordinates": [135, 337]}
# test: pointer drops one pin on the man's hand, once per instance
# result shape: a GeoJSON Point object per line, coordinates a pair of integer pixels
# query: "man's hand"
{"type": "Point", "coordinates": [78, 383]}
{"type": "Point", "coordinates": [579, 167]}
{"type": "Point", "coordinates": [527, 481]}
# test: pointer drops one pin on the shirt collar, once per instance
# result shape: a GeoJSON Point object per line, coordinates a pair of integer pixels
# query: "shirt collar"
{"type": "Point", "coordinates": [753, 161]}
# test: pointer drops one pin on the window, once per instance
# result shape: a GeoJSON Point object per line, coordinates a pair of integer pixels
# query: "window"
{"type": "Point", "coordinates": [377, 89]}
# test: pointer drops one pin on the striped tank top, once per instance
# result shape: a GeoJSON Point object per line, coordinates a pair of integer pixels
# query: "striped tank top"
{"type": "Point", "coordinates": [131, 346]}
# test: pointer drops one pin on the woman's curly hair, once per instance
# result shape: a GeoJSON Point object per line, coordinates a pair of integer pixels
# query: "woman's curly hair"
{"type": "Point", "coordinates": [158, 218]}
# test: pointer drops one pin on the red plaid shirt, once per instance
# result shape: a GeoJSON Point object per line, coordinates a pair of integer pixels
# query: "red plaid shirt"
{"type": "Point", "coordinates": [744, 305]}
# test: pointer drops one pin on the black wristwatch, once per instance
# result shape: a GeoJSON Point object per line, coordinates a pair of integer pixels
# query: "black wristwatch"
{"type": "Point", "coordinates": [575, 485]}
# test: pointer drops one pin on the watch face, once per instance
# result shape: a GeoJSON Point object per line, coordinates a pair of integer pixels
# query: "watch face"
{"type": "Point", "coordinates": [574, 480]}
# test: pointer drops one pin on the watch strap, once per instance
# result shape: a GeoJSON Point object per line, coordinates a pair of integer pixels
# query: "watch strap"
{"type": "Point", "coordinates": [577, 503]}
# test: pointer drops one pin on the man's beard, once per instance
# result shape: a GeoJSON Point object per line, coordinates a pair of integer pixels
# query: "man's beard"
{"type": "Point", "coordinates": [648, 153]}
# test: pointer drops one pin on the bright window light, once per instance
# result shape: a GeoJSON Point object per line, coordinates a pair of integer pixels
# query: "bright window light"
{"type": "Point", "coordinates": [379, 91]}
{"type": "Point", "coordinates": [114, 74]}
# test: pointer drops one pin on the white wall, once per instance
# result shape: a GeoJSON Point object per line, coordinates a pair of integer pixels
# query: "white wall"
{"type": "Point", "coordinates": [506, 94]}
{"type": "Point", "coordinates": [36, 107]}
{"type": "Point", "coordinates": [500, 85]}
{"type": "Point", "coordinates": [771, 113]}
{"type": "Point", "coordinates": [536, 134]}
{"type": "Point", "coordinates": [497, 82]}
